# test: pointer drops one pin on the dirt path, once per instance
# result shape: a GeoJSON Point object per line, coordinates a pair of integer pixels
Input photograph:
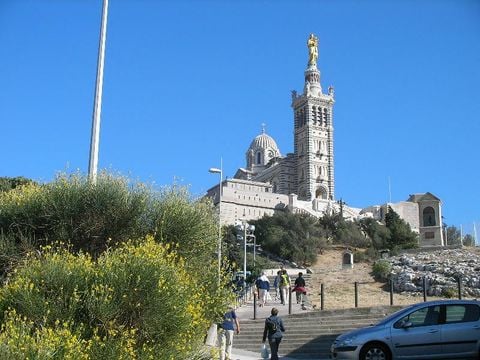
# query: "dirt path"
{"type": "Point", "coordinates": [339, 285]}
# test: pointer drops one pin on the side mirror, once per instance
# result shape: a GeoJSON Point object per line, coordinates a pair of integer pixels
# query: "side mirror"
{"type": "Point", "coordinates": [406, 324]}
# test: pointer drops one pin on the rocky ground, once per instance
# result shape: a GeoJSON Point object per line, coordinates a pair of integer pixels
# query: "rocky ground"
{"type": "Point", "coordinates": [441, 267]}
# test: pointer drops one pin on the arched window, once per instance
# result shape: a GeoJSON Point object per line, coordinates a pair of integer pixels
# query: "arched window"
{"type": "Point", "coordinates": [259, 158]}
{"type": "Point", "coordinates": [321, 193]}
{"type": "Point", "coordinates": [429, 216]}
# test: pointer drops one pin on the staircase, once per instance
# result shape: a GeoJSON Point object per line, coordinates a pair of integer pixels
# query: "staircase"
{"type": "Point", "coordinates": [309, 335]}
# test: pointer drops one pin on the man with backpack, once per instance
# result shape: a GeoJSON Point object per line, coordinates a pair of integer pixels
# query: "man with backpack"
{"type": "Point", "coordinates": [273, 331]}
{"type": "Point", "coordinates": [284, 286]}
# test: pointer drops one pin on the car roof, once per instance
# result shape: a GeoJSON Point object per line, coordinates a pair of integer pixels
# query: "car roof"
{"type": "Point", "coordinates": [447, 302]}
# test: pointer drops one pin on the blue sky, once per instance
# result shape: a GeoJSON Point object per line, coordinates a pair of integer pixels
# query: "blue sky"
{"type": "Point", "coordinates": [188, 82]}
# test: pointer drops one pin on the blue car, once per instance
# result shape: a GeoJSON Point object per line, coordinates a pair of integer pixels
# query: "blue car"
{"type": "Point", "coordinates": [443, 329]}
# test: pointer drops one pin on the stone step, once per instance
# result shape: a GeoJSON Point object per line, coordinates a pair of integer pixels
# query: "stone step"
{"type": "Point", "coordinates": [310, 335]}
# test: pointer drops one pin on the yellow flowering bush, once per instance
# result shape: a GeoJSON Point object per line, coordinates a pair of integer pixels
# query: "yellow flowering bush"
{"type": "Point", "coordinates": [117, 298]}
{"type": "Point", "coordinates": [139, 301]}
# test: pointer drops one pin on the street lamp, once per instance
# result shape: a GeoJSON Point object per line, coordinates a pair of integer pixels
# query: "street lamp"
{"type": "Point", "coordinates": [219, 246]}
{"type": "Point", "coordinates": [246, 228]}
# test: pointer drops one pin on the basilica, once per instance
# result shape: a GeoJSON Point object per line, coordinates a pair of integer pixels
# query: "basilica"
{"type": "Point", "coordinates": [304, 181]}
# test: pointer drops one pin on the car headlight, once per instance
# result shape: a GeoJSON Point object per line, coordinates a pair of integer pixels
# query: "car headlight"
{"type": "Point", "coordinates": [349, 341]}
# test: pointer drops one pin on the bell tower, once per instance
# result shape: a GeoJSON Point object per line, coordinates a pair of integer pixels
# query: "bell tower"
{"type": "Point", "coordinates": [313, 133]}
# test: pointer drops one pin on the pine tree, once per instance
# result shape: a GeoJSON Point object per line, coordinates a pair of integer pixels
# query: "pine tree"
{"type": "Point", "coordinates": [401, 235]}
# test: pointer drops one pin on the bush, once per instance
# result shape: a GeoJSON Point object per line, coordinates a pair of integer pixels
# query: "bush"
{"type": "Point", "coordinates": [381, 270]}
{"type": "Point", "coordinates": [71, 208]}
{"type": "Point", "coordinates": [449, 292]}
{"type": "Point", "coordinates": [137, 301]}
{"type": "Point", "coordinates": [359, 256]}
{"type": "Point", "coordinates": [92, 218]}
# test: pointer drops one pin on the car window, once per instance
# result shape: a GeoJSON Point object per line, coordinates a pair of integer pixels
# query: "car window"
{"type": "Point", "coordinates": [423, 317]}
{"type": "Point", "coordinates": [462, 313]}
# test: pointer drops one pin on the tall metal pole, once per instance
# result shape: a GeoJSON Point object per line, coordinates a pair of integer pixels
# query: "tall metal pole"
{"type": "Point", "coordinates": [254, 250]}
{"type": "Point", "coordinates": [245, 249]}
{"type": "Point", "coordinates": [97, 106]}
{"type": "Point", "coordinates": [219, 245]}
{"type": "Point", "coordinates": [220, 222]}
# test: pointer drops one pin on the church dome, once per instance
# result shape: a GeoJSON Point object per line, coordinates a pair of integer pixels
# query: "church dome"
{"type": "Point", "coordinates": [262, 149]}
{"type": "Point", "coordinates": [265, 142]}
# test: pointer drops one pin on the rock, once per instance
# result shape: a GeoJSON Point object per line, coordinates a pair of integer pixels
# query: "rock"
{"type": "Point", "coordinates": [441, 269]}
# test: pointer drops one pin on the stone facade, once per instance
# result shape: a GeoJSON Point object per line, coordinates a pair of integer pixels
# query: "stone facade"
{"type": "Point", "coordinates": [245, 199]}
{"type": "Point", "coordinates": [309, 171]}
{"type": "Point", "coordinates": [430, 218]}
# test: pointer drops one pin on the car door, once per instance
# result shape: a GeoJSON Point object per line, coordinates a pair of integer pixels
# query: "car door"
{"type": "Point", "coordinates": [461, 331]}
{"type": "Point", "coordinates": [417, 335]}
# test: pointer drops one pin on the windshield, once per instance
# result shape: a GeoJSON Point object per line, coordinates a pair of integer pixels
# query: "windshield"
{"type": "Point", "coordinates": [394, 315]}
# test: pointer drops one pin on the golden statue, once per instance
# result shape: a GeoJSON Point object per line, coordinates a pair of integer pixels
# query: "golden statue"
{"type": "Point", "coordinates": [312, 44]}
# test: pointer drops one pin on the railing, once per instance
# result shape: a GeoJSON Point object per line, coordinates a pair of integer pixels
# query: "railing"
{"type": "Point", "coordinates": [243, 295]}
{"type": "Point", "coordinates": [248, 294]}
{"type": "Point", "coordinates": [356, 291]}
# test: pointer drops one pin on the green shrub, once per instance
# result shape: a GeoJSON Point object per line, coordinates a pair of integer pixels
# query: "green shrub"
{"type": "Point", "coordinates": [137, 301]}
{"type": "Point", "coordinates": [381, 270]}
{"type": "Point", "coordinates": [71, 208]}
{"type": "Point", "coordinates": [359, 256]}
{"type": "Point", "coordinates": [449, 292]}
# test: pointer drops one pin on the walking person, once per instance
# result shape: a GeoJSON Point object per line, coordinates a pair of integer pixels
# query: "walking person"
{"type": "Point", "coordinates": [299, 288]}
{"type": "Point", "coordinates": [263, 287]}
{"type": "Point", "coordinates": [284, 286]}
{"type": "Point", "coordinates": [273, 330]}
{"type": "Point", "coordinates": [276, 285]}
{"type": "Point", "coordinates": [226, 329]}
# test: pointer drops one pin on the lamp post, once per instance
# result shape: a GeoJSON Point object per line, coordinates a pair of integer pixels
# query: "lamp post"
{"type": "Point", "coordinates": [245, 224]}
{"type": "Point", "coordinates": [219, 245]}
{"type": "Point", "coordinates": [246, 228]}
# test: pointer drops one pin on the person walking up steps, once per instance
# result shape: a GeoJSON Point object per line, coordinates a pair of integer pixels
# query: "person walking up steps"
{"type": "Point", "coordinates": [299, 288]}
{"type": "Point", "coordinates": [284, 286]}
{"type": "Point", "coordinates": [225, 333]}
{"type": "Point", "coordinates": [263, 286]}
{"type": "Point", "coordinates": [276, 285]}
{"type": "Point", "coordinates": [273, 330]}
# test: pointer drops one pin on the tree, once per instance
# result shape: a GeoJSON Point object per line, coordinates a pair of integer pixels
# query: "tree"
{"type": "Point", "coordinates": [341, 231]}
{"type": "Point", "coordinates": [378, 233]}
{"type": "Point", "coordinates": [9, 183]}
{"type": "Point", "coordinates": [401, 235]}
{"type": "Point", "coordinates": [453, 235]}
{"type": "Point", "coordinates": [468, 240]}
{"type": "Point", "coordinates": [295, 237]}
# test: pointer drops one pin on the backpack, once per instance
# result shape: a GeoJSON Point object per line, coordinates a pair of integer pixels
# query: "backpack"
{"type": "Point", "coordinates": [271, 325]}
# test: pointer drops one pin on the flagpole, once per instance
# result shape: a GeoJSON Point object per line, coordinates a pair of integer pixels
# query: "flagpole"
{"type": "Point", "coordinates": [461, 235]}
{"type": "Point", "coordinates": [474, 234]}
{"type": "Point", "coordinates": [97, 106]}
